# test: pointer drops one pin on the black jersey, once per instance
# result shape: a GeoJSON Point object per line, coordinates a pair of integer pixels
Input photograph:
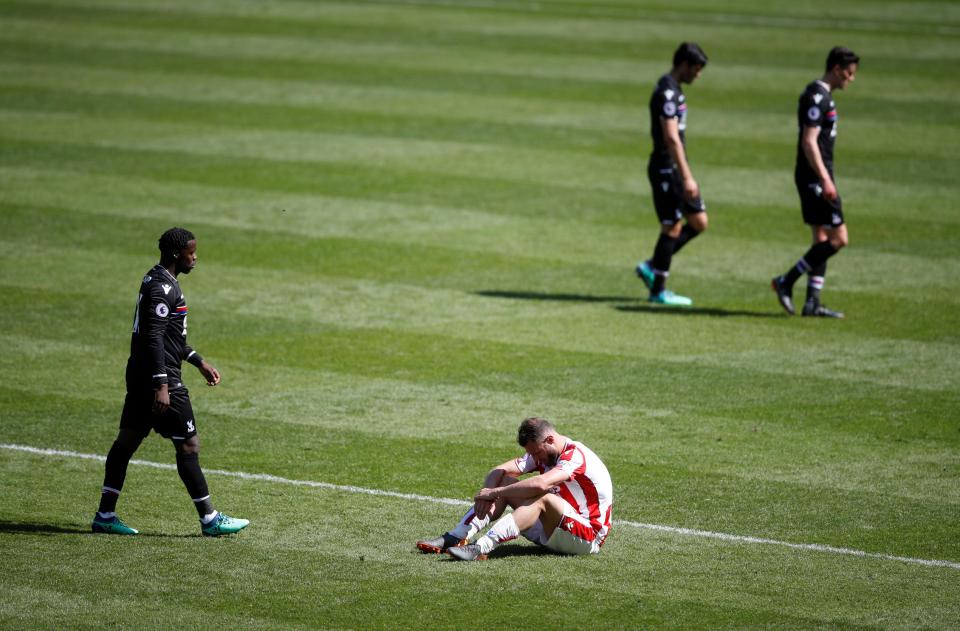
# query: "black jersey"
{"type": "Point", "coordinates": [159, 341]}
{"type": "Point", "coordinates": [667, 101]}
{"type": "Point", "coordinates": [816, 109]}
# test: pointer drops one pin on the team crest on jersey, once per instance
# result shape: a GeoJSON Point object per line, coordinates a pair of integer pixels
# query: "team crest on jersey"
{"type": "Point", "coordinates": [669, 108]}
{"type": "Point", "coordinates": [813, 113]}
{"type": "Point", "coordinates": [162, 310]}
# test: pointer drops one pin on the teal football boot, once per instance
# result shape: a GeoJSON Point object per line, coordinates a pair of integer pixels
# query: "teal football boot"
{"type": "Point", "coordinates": [645, 273]}
{"type": "Point", "coordinates": [223, 525]}
{"type": "Point", "coordinates": [111, 526]}
{"type": "Point", "coordinates": [670, 299]}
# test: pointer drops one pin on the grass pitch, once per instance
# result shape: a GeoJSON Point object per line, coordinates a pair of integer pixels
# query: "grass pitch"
{"type": "Point", "coordinates": [417, 223]}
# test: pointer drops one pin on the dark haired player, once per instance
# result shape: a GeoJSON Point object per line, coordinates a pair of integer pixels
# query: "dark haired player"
{"type": "Point", "coordinates": [676, 195]}
{"type": "Point", "coordinates": [156, 399]}
{"type": "Point", "coordinates": [819, 199]}
{"type": "Point", "coordinates": [566, 508]}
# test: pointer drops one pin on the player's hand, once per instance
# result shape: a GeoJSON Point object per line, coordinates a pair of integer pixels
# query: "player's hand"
{"type": "Point", "coordinates": [691, 190]}
{"type": "Point", "coordinates": [829, 191]}
{"type": "Point", "coordinates": [483, 508]}
{"type": "Point", "coordinates": [161, 400]}
{"type": "Point", "coordinates": [211, 374]}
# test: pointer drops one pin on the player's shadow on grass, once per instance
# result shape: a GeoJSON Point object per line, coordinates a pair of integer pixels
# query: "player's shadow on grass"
{"type": "Point", "coordinates": [50, 529]}
{"type": "Point", "coordinates": [516, 550]}
{"type": "Point", "coordinates": [633, 308]}
{"type": "Point", "coordinates": [538, 295]}
{"type": "Point", "coordinates": [698, 311]}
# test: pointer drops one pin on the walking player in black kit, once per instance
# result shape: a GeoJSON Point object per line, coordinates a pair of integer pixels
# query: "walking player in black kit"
{"type": "Point", "coordinates": [156, 398]}
{"type": "Point", "coordinates": [819, 199]}
{"type": "Point", "coordinates": [676, 195]}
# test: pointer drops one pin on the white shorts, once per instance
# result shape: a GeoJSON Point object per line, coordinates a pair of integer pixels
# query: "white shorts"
{"type": "Point", "coordinates": [573, 535]}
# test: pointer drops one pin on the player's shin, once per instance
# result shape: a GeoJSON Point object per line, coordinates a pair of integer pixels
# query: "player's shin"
{"type": "Point", "coordinates": [470, 525]}
{"type": "Point", "coordinates": [504, 530]}
{"type": "Point", "coordinates": [188, 466]}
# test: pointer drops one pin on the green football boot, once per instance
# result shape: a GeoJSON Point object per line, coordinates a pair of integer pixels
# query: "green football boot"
{"type": "Point", "coordinates": [223, 525]}
{"type": "Point", "coordinates": [111, 526]}
{"type": "Point", "coordinates": [670, 299]}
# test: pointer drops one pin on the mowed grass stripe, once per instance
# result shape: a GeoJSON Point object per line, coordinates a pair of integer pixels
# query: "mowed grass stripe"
{"type": "Point", "coordinates": [311, 254]}
{"type": "Point", "coordinates": [384, 564]}
{"type": "Point", "coordinates": [603, 248]}
{"type": "Point", "coordinates": [185, 37]}
{"type": "Point", "coordinates": [262, 477]}
{"type": "Point", "coordinates": [772, 450]}
{"type": "Point", "coordinates": [714, 501]}
{"type": "Point", "coordinates": [512, 29]}
{"type": "Point", "coordinates": [437, 80]}
{"type": "Point", "coordinates": [718, 132]}
{"type": "Point", "coordinates": [557, 174]}
{"type": "Point", "coordinates": [305, 302]}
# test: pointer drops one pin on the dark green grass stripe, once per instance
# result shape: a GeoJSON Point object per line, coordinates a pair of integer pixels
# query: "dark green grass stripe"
{"type": "Point", "coordinates": [407, 125]}
{"type": "Point", "coordinates": [350, 181]}
{"type": "Point", "coordinates": [500, 276]}
{"type": "Point", "coordinates": [344, 180]}
{"type": "Point", "coordinates": [366, 74]}
{"type": "Point", "coordinates": [896, 166]}
{"type": "Point", "coordinates": [520, 369]}
{"type": "Point", "coordinates": [714, 502]}
{"type": "Point", "coordinates": [461, 33]}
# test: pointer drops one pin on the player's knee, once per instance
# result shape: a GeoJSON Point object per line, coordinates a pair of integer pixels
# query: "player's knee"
{"type": "Point", "coordinates": [839, 240]}
{"type": "Point", "coordinates": [671, 230]}
{"type": "Point", "coordinates": [188, 446]}
{"type": "Point", "coordinates": [698, 222]}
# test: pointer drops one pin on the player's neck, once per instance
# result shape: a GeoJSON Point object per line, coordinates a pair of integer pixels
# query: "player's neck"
{"type": "Point", "coordinates": [170, 269]}
{"type": "Point", "coordinates": [825, 83]}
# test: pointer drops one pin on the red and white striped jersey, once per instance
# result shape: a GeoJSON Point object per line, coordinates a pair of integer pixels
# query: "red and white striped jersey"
{"type": "Point", "coordinates": [588, 488]}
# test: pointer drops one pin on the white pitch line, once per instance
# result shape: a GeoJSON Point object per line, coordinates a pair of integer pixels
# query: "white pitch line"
{"type": "Point", "coordinates": [706, 534]}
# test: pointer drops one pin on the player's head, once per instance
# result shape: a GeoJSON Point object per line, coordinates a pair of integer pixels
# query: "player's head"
{"type": "Point", "coordinates": [539, 438]}
{"type": "Point", "coordinates": [179, 246]}
{"type": "Point", "coordinates": [688, 60]}
{"type": "Point", "coordinates": [842, 64]}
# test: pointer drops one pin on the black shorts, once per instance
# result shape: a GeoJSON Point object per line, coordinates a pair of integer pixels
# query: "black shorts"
{"type": "Point", "coordinates": [668, 199]}
{"type": "Point", "coordinates": [818, 211]}
{"type": "Point", "coordinates": [177, 423]}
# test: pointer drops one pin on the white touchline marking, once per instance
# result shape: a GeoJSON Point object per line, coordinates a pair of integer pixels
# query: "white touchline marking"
{"type": "Point", "coordinates": [265, 477]}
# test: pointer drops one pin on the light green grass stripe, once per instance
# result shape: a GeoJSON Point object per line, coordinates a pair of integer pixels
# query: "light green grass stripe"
{"type": "Point", "coordinates": [348, 303]}
{"type": "Point", "coordinates": [559, 243]}
{"type": "Point", "coordinates": [604, 24]}
{"type": "Point", "coordinates": [563, 170]}
{"type": "Point", "coordinates": [775, 451]}
{"type": "Point", "coordinates": [636, 71]}
{"type": "Point", "coordinates": [707, 121]}
{"type": "Point", "coordinates": [263, 477]}
{"type": "Point", "coordinates": [379, 100]}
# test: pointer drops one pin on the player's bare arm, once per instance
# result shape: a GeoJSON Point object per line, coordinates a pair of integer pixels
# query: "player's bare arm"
{"type": "Point", "coordinates": [812, 152]}
{"type": "Point", "coordinates": [671, 137]}
{"type": "Point", "coordinates": [500, 475]}
{"type": "Point", "coordinates": [524, 489]}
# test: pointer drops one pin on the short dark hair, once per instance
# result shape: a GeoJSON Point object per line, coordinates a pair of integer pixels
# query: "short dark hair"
{"type": "Point", "coordinates": [841, 56]}
{"type": "Point", "coordinates": [533, 429]}
{"type": "Point", "coordinates": [174, 240]}
{"type": "Point", "coordinates": [691, 53]}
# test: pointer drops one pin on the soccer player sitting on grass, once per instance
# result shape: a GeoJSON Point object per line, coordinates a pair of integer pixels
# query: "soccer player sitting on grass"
{"type": "Point", "coordinates": [566, 508]}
